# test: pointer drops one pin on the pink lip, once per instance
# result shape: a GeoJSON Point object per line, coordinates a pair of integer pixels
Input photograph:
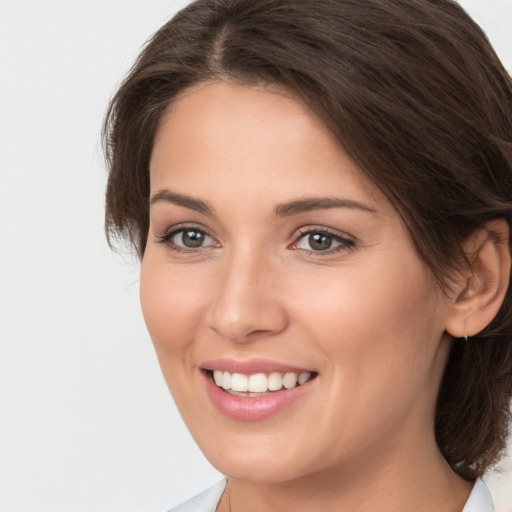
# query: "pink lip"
{"type": "Point", "coordinates": [252, 408]}
{"type": "Point", "coordinates": [251, 366]}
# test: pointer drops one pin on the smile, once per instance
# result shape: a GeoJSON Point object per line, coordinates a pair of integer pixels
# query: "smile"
{"type": "Point", "coordinates": [255, 390]}
{"type": "Point", "coordinates": [258, 384]}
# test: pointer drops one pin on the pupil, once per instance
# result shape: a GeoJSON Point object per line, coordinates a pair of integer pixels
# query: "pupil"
{"type": "Point", "coordinates": [320, 242]}
{"type": "Point", "coordinates": [192, 238]}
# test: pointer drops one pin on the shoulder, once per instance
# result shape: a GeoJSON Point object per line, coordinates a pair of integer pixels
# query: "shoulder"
{"type": "Point", "coordinates": [480, 499]}
{"type": "Point", "coordinates": [207, 501]}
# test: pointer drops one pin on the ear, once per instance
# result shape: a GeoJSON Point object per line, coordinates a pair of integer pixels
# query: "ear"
{"type": "Point", "coordinates": [481, 290]}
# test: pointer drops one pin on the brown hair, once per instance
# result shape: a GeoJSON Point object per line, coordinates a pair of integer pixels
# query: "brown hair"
{"type": "Point", "coordinates": [413, 91]}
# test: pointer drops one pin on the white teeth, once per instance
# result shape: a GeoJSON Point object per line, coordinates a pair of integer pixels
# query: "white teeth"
{"type": "Point", "coordinates": [226, 380]}
{"type": "Point", "coordinates": [239, 382]}
{"type": "Point", "coordinates": [290, 380]}
{"type": "Point", "coordinates": [238, 393]}
{"type": "Point", "coordinates": [258, 383]}
{"type": "Point", "coordinates": [304, 377]}
{"type": "Point", "coordinates": [218, 377]}
{"type": "Point", "coordinates": [275, 381]}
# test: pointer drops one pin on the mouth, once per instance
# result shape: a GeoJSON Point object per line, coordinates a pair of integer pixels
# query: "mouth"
{"type": "Point", "coordinates": [258, 384]}
{"type": "Point", "coordinates": [255, 390]}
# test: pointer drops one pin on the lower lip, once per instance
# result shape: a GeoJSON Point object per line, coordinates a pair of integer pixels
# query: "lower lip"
{"type": "Point", "coordinates": [252, 408]}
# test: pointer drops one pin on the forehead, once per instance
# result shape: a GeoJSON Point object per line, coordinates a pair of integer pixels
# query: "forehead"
{"type": "Point", "coordinates": [261, 111]}
{"type": "Point", "coordinates": [243, 138]}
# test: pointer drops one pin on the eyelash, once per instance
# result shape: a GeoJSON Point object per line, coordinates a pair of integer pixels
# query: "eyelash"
{"type": "Point", "coordinates": [167, 237]}
{"type": "Point", "coordinates": [344, 243]}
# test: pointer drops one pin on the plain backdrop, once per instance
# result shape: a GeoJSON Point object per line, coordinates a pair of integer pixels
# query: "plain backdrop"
{"type": "Point", "coordinates": [86, 422]}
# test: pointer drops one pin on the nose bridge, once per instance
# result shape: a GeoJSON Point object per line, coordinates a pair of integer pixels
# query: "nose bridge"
{"type": "Point", "coordinates": [246, 302]}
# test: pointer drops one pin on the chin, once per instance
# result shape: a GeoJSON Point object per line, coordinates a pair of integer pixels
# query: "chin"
{"type": "Point", "coordinates": [254, 458]}
{"type": "Point", "coordinates": [263, 470]}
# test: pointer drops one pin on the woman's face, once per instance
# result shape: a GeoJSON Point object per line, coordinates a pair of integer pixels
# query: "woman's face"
{"type": "Point", "coordinates": [271, 261]}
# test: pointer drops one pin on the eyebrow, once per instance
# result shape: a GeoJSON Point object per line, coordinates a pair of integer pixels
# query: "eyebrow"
{"type": "Point", "coordinates": [182, 200]}
{"type": "Point", "coordinates": [295, 207]}
{"type": "Point", "coordinates": [309, 204]}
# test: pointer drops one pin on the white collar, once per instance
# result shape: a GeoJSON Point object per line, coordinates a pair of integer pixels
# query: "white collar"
{"type": "Point", "coordinates": [479, 500]}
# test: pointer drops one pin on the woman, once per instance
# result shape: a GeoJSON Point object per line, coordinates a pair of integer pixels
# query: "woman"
{"type": "Point", "coordinates": [321, 196]}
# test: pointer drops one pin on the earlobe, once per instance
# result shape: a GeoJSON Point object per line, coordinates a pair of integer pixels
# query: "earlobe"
{"type": "Point", "coordinates": [482, 288]}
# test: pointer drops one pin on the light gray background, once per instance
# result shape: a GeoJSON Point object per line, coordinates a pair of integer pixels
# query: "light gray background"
{"type": "Point", "coordinates": [86, 422]}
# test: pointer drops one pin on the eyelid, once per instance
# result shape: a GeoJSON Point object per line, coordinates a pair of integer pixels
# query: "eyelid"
{"type": "Point", "coordinates": [166, 238]}
{"type": "Point", "coordinates": [346, 241]}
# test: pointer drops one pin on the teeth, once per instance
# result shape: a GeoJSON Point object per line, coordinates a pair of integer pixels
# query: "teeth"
{"type": "Point", "coordinates": [275, 381]}
{"type": "Point", "coordinates": [290, 380]}
{"type": "Point", "coordinates": [258, 383]}
{"type": "Point", "coordinates": [218, 377]}
{"type": "Point", "coordinates": [238, 393]}
{"type": "Point", "coordinates": [226, 380]}
{"type": "Point", "coordinates": [304, 377]}
{"type": "Point", "coordinates": [239, 382]}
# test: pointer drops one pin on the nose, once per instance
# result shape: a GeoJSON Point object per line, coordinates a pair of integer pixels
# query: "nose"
{"type": "Point", "coordinates": [248, 302]}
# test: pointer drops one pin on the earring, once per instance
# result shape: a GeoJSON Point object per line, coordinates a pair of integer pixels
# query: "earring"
{"type": "Point", "coordinates": [466, 338]}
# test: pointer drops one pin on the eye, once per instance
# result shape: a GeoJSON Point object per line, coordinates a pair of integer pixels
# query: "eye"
{"type": "Point", "coordinates": [190, 238]}
{"type": "Point", "coordinates": [322, 241]}
{"type": "Point", "coordinates": [187, 238]}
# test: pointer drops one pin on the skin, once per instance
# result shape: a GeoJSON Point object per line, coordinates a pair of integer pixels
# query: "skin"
{"type": "Point", "coordinates": [367, 315]}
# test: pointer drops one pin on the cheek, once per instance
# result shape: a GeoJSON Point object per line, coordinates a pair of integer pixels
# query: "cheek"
{"type": "Point", "coordinates": [172, 305]}
{"type": "Point", "coordinates": [385, 318]}
{"type": "Point", "coordinates": [379, 333]}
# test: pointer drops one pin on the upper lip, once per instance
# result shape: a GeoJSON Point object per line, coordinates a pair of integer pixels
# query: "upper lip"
{"type": "Point", "coordinates": [251, 366]}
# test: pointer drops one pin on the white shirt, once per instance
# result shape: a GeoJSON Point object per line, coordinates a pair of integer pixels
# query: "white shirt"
{"type": "Point", "coordinates": [479, 501]}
